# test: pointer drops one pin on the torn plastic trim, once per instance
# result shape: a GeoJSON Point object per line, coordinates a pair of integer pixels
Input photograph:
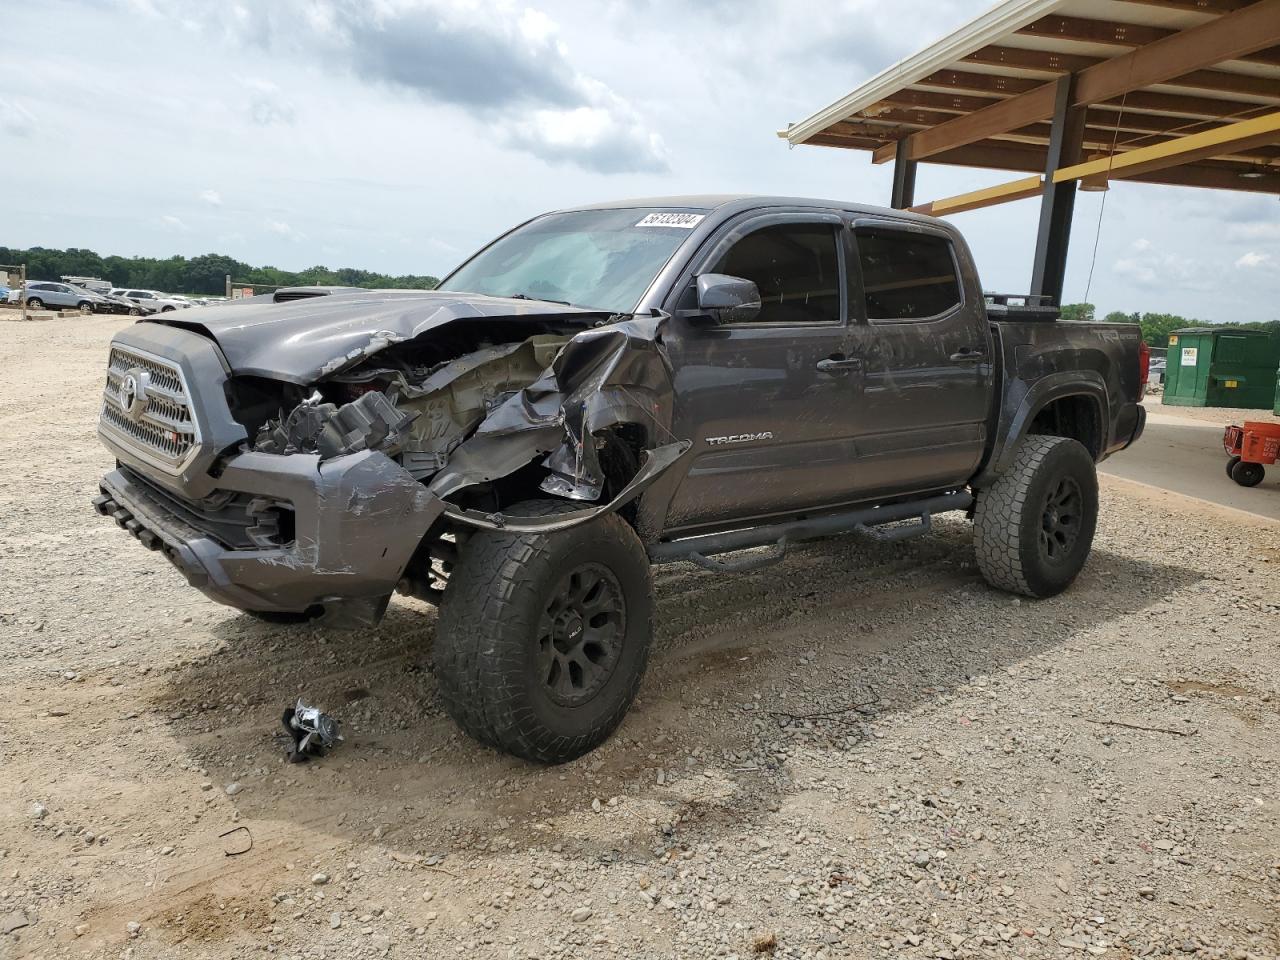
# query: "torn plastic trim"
{"type": "Point", "coordinates": [600, 379]}
{"type": "Point", "coordinates": [657, 461]}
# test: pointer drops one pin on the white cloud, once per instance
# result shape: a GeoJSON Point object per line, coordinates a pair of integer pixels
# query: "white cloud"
{"type": "Point", "coordinates": [170, 222]}
{"type": "Point", "coordinates": [1253, 259]}
{"type": "Point", "coordinates": [211, 197]}
{"type": "Point", "coordinates": [15, 119]}
{"type": "Point", "coordinates": [1141, 244]}
{"type": "Point", "coordinates": [282, 229]}
{"type": "Point", "coordinates": [505, 66]}
{"type": "Point", "coordinates": [1248, 232]}
{"type": "Point", "coordinates": [267, 105]}
{"type": "Point", "coordinates": [1163, 271]}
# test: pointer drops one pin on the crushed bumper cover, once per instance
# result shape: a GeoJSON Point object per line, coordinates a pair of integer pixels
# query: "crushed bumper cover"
{"type": "Point", "coordinates": [357, 521]}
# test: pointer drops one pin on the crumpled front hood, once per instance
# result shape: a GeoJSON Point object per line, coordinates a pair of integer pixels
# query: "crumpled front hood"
{"type": "Point", "coordinates": [301, 341]}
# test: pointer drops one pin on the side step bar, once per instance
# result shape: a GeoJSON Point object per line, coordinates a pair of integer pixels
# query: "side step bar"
{"type": "Point", "coordinates": [699, 548]}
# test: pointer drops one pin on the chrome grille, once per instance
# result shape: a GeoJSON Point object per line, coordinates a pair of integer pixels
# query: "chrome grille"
{"type": "Point", "coordinates": [162, 427]}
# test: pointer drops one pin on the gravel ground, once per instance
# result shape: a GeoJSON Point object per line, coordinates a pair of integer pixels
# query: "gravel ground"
{"type": "Point", "coordinates": [863, 752]}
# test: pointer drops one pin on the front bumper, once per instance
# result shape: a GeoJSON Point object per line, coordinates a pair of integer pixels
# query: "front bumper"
{"type": "Point", "coordinates": [357, 521]}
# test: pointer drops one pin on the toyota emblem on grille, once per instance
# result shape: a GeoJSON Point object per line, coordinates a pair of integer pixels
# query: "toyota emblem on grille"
{"type": "Point", "coordinates": [133, 393]}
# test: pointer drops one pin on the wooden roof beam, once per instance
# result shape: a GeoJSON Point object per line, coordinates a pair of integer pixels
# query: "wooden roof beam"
{"type": "Point", "coordinates": [1234, 138]}
{"type": "Point", "coordinates": [1253, 27]}
{"type": "Point", "coordinates": [1208, 174]}
{"type": "Point", "coordinates": [1213, 178]}
{"type": "Point", "coordinates": [1196, 6]}
{"type": "Point", "coordinates": [1113, 33]}
{"type": "Point", "coordinates": [1057, 64]}
{"type": "Point", "coordinates": [987, 197]}
{"type": "Point", "coordinates": [1231, 37]}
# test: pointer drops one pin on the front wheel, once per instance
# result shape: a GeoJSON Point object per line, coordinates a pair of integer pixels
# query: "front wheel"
{"type": "Point", "coordinates": [543, 639]}
{"type": "Point", "coordinates": [86, 307]}
{"type": "Point", "coordinates": [167, 309]}
{"type": "Point", "coordinates": [1248, 474]}
{"type": "Point", "coordinates": [135, 312]}
{"type": "Point", "coordinates": [1231, 464]}
{"type": "Point", "coordinates": [1033, 528]}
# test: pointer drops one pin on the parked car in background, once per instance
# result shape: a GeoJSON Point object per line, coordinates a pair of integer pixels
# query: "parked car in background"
{"type": "Point", "coordinates": [47, 295]}
{"type": "Point", "coordinates": [157, 301]}
{"type": "Point", "coordinates": [95, 284]}
{"type": "Point", "coordinates": [110, 303]}
{"type": "Point", "coordinates": [1155, 370]}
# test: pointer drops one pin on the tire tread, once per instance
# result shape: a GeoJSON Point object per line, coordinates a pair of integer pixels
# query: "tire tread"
{"type": "Point", "coordinates": [998, 517]}
{"type": "Point", "coordinates": [482, 632]}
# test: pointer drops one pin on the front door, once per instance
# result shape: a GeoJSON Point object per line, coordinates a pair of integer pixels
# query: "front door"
{"type": "Point", "coordinates": [768, 403]}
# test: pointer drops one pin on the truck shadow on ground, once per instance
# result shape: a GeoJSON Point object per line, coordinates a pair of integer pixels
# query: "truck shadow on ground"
{"type": "Point", "coordinates": [739, 663]}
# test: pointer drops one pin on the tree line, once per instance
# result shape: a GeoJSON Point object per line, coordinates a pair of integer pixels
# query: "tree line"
{"type": "Point", "coordinates": [1156, 327]}
{"type": "Point", "coordinates": [205, 274]}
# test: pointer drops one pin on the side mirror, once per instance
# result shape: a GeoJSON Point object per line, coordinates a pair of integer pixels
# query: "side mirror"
{"type": "Point", "coordinates": [727, 299]}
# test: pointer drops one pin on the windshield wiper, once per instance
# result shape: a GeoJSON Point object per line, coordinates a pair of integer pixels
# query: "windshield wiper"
{"type": "Point", "coordinates": [525, 296]}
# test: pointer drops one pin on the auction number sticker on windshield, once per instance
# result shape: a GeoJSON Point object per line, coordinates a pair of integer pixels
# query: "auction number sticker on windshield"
{"type": "Point", "coordinates": [682, 221]}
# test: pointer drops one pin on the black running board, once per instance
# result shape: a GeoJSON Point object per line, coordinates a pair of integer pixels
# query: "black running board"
{"type": "Point", "coordinates": [700, 549]}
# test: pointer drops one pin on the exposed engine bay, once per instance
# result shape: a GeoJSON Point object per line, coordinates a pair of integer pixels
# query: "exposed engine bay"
{"type": "Point", "coordinates": [466, 408]}
{"type": "Point", "coordinates": [415, 413]}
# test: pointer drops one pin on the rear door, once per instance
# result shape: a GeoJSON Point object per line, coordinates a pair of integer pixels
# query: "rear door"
{"type": "Point", "coordinates": [922, 335]}
{"type": "Point", "coordinates": [766, 403]}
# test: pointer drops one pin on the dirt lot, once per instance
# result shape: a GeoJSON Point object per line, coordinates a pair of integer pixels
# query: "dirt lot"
{"type": "Point", "coordinates": [864, 752]}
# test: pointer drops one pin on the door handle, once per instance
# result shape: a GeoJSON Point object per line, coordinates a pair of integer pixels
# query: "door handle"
{"type": "Point", "coordinates": [838, 364]}
{"type": "Point", "coordinates": [968, 355]}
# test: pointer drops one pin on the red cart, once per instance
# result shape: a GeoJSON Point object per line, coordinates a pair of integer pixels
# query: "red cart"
{"type": "Point", "coordinates": [1249, 447]}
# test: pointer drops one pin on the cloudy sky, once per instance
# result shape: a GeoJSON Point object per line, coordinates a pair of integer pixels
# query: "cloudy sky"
{"type": "Point", "coordinates": [398, 135]}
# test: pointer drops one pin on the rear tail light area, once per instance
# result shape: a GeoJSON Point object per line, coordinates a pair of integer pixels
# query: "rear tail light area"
{"type": "Point", "coordinates": [1144, 367]}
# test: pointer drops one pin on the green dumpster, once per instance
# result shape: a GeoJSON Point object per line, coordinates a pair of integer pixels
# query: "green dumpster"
{"type": "Point", "coordinates": [1221, 368]}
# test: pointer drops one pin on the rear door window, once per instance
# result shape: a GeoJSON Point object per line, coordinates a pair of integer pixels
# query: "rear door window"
{"type": "Point", "coordinates": [906, 276]}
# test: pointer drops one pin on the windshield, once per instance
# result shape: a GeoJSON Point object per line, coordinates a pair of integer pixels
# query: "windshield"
{"type": "Point", "coordinates": [600, 259]}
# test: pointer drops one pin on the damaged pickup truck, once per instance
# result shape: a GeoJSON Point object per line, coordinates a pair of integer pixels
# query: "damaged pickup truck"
{"type": "Point", "coordinates": [598, 390]}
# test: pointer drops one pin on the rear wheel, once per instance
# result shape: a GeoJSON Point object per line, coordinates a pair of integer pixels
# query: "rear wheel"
{"type": "Point", "coordinates": [1033, 528]}
{"type": "Point", "coordinates": [135, 312]}
{"type": "Point", "coordinates": [543, 639]}
{"type": "Point", "coordinates": [35, 303]}
{"type": "Point", "coordinates": [1248, 474]}
{"type": "Point", "coordinates": [1231, 464]}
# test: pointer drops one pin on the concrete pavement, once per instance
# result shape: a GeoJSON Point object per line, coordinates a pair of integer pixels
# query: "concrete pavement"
{"type": "Point", "coordinates": [1185, 455]}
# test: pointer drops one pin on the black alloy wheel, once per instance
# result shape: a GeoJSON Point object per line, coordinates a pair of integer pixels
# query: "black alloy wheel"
{"type": "Point", "coordinates": [580, 634]}
{"type": "Point", "coordinates": [1060, 519]}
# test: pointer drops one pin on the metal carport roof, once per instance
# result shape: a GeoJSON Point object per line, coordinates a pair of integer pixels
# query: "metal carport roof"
{"type": "Point", "coordinates": [1145, 73]}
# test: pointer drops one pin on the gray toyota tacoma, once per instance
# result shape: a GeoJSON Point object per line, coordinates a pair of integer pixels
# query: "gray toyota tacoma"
{"type": "Point", "coordinates": [598, 390]}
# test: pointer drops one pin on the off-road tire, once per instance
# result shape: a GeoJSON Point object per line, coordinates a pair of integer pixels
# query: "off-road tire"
{"type": "Point", "coordinates": [1248, 474]}
{"type": "Point", "coordinates": [488, 636]}
{"type": "Point", "coordinates": [1014, 511]}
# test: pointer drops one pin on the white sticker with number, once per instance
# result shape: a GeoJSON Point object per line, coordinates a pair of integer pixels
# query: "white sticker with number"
{"type": "Point", "coordinates": [1189, 356]}
{"type": "Point", "coordinates": [682, 221]}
